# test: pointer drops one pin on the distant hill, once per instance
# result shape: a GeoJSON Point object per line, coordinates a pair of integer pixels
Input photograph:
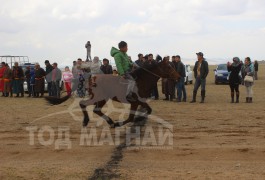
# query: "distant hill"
{"type": "Point", "coordinates": [261, 62]}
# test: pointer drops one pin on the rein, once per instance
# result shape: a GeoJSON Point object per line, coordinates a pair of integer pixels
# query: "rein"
{"type": "Point", "coordinates": [151, 72]}
{"type": "Point", "coordinates": [154, 73]}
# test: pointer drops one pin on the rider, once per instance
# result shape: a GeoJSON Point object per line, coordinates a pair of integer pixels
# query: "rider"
{"type": "Point", "coordinates": [124, 67]}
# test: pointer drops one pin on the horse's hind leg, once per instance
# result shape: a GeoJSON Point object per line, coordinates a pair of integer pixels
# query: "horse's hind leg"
{"type": "Point", "coordinates": [98, 111]}
{"type": "Point", "coordinates": [147, 107]}
{"type": "Point", "coordinates": [83, 106]}
{"type": "Point", "coordinates": [131, 116]}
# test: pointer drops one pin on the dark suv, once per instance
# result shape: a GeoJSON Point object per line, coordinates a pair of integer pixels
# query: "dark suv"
{"type": "Point", "coordinates": [221, 74]}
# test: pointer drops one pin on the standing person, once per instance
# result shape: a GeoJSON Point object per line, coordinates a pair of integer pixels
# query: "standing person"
{"type": "Point", "coordinates": [95, 69]}
{"type": "Point", "coordinates": [95, 66]}
{"type": "Point", "coordinates": [154, 93]}
{"type": "Point", "coordinates": [201, 71]}
{"type": "Point", "coordinates": [248, 73]}
{"type": "Point", "coordinates": [174, 63]}
{"type": "Point", "coordinates": [39, 81]}
{"type": "Point", "coordinates": [48, 76]}
{"type": "Point", "coordinates": [74, 64]}
{"type": "Point", "coordinates": [77, 73]}
{"type": "Point", "coordinates": [56, 78]}
{"type": "Point", "coordinates": [88, 50]}
{"type": "Point", "coordinates": [67, 78]}
{"type": "Point", "coordinates": [180, 68]}
{"type": "Point", "coordinates": [124, 67]}
{"type": "Point", "coordinates": [2, 82]}
{"type": "Point", "coordinates": [27, 76]}
{"type": "Point", "coordinates": [7, 77]}
{"type": "Point", "coordinates": [168, 85]}
{"type": "Point", "coordinates": [18, 80]}
{"type": "Point", "coordinates": [234, 79]}
{"type": "Point", "coordinates": [256, 66]}
{"type": "Point", "coordinates": [75, 77]}
{"type": "Point", "coordinates": [106, 68]}
{"type": "Point", "coordinates": [32, 81]}
{"type": "Point", "coordinates": [140, 61]}
{"type": "Point", "coordinates": [173, 58]}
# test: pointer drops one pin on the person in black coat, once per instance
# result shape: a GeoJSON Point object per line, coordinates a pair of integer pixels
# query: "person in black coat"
{"type": "Point", "coordinates": [256, 67]}
{"type": "Point", "coordinates": [106, 68]}
{"type": "Point", "coordinates": [201, 71]}
{"type": "Point", "coordinates": [234, 78]}
{"type": "Point", "coordinates": [27, 76]}
{"type": "Point", "coordinates": [140, 60]}
{"type": "Point", "coordinates": [180, 68]}
{"type": "Point", "coordinates": [48, 76]}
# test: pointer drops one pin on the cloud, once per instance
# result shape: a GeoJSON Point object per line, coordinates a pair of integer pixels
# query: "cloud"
{"type": "Point", "coordinates": [137, 30]}
{"type": "Point", "coordinates": [59, 29]}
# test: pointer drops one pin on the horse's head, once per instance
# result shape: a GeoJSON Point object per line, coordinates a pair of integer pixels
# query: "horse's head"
{"type": "Point", "coordinates": [167, 70]}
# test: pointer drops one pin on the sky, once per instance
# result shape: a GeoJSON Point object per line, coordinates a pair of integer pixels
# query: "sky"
{"type": "Point", "coordinates": [58, 30]}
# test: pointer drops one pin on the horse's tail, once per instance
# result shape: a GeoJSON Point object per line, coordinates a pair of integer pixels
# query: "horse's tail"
{"type": "Point", "coordinates": [56, 100]}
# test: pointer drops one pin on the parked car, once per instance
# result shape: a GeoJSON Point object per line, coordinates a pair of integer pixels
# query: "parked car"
{"type": "Point", "coordinates": [221, 74]}
{"type": "Point", "coordinates": [189, 75]}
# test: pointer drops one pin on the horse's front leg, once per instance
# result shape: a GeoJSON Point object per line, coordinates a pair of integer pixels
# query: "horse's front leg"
{"type": "Point", "coordinates": [83, 106]}
{"type": "Point", "coordinates": [98, 111]}
{"type": "Point", "coordinates": [133, 109]}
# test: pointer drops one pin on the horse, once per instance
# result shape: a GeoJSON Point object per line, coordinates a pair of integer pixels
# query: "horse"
{"type": "Point", "coordinates": [110, 87]}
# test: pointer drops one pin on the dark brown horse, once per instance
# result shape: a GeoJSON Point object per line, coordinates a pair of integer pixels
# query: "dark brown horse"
{"type": "Point", "coordinates": [109, 87]}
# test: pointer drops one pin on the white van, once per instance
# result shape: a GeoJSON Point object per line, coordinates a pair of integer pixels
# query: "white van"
{"type": "Point", "coordinates": [189, 75]}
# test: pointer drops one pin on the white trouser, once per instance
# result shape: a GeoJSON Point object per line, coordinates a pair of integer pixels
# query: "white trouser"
{"type": "Point", "coordinates": [131, 83]}
{"type": "Point", "coordinates": [249, 91]}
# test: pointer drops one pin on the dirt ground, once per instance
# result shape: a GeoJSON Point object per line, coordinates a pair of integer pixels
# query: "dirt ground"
{"type": "Point", "coordinates": [215, 140]}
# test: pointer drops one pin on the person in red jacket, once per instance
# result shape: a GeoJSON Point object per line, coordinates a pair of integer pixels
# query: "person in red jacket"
{"type": "Point", "coordinates": [2, 82]}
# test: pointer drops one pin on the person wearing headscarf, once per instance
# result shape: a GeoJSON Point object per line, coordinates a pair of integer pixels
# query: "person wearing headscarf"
{"type": "Point", "coordinates": [248, 70]}
{"type": "Point", "coordinates": [95, 66]}
{"type": "Point", "coordinates": [234, 78]}
{"type": "Point", "coordinates": [95, 69]}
